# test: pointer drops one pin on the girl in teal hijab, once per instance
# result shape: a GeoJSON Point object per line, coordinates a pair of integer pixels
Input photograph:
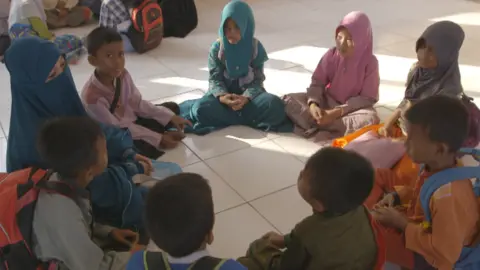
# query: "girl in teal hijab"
{"type": "Point", "coordinates": [236, 95]}
{"type": "Point", "coordinates": [43, 88]}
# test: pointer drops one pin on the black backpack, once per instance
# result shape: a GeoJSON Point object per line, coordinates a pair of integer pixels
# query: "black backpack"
{"type": "Point", "coordinates": [180, 17]}
{"type": "Point", "coordinates": [158, 261]}
{"type": "Point", "coordinates": [146, 31]}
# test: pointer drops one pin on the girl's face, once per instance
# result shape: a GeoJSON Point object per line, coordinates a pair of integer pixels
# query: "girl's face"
{"type": "Point", "coordinates": [232, 32]}
{"type": "Point", "coordinates": [426, 55]}
{"type": "Point", "coordinates": [344, 42]}
{"type": "Point", "coordinates": [57, 69]}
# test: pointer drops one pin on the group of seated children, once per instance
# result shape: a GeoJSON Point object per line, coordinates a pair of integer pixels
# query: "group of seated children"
{"type": "Point", "coordinates": [131, 131]}
{"type": "Point", "coordinates": [341, 233]}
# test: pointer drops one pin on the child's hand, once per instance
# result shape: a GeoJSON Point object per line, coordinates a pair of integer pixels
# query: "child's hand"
{"type": "Point", "coordinates": [327, 117]}
{"type": "Point", "coordinates": [62, 13]}
{"type": "Point", "coordinates": [316, 112]}
{"type": "Point", "coordinates": [147, 170]}
{"type": "Point", "coordinates": [275, 239]}
{"type": "Point", "coordinates": [169, 140]}
{"type": "Point", "coordinates": [386, 130]}
{"type": "Point", "coordinates": [241, 102]}
{"type": "Point", "coordinates": [124, 236]}
{"type": "Point", "coordinates": [146, 163]}
{"type": "Point", "coordinates": [179, 122]}
{"type": "Point", "coordinates": [390, 217]}
{"type": "Point", "coordinates": [229, 99]}
{"type": "Point", "coordinates": [387, 201]}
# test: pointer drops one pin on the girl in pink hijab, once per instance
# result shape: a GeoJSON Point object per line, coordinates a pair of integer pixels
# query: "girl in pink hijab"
{"type": "Point", "coordinates": [344, 85]}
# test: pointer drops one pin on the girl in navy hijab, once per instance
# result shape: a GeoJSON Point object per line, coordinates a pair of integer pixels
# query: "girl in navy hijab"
{"type": "Point", "coordinates": [43, 88]}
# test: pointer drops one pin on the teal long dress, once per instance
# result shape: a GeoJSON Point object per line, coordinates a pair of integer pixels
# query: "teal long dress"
{"type": "Point", "coordinates": [237, 69]}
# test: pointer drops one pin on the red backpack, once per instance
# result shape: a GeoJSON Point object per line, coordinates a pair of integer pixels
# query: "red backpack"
{"type": "Point", "coordinates": [146, 31]}
{"type": "Point", "coordinates": [18, 196]}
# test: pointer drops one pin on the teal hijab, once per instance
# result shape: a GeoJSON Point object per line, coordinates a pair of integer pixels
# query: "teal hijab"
{"type": "Point", "coordinates": [238, 56]}
{"type": "Point", "coordinates": [29, 61]}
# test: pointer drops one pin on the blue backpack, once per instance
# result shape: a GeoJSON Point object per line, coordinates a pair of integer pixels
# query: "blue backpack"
{"type": "Point", "coordinates": [470, 256]}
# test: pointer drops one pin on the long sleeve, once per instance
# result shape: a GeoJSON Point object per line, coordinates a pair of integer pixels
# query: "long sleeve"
{"type": "Point", "coordinates": [101, 112]}
{"type": "Point", "coordinates": [369, 94]}
{"type": "Point", "coordinates": [316, 90]}
{"type": "Point", "coordinates": [216, 69]}
{"type": "Point", "coordinates": [454, 213]}
{"type": "Point", "coordinates": [263, 255]}
{"type": "Point", "coordinates": [62, 234]}
{"type": "Point", "coordinates": [295, 255]}
{"type": "Point", "coordinates": [145, 108]}
{"type": "Point", "coordinates": [255, 88]}
{"type": "Point", "coordinates": [40, 27]}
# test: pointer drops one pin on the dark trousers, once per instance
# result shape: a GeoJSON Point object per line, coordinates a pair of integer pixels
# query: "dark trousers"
{"type": "Point", "coordinates": [143, 147]}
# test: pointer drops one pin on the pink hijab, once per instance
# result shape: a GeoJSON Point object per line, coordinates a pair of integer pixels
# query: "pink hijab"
{"type": "Point", "coordinates": [349, 77]}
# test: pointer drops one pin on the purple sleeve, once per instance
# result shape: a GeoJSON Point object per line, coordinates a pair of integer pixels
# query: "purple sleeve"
{"type": "Point", "coordinates": [101, 112]}
{"type": "Point", "coordinates": [145, 108]}
{"type": "Point", "coordinates": [316, 90]}
{"type": "Point", "coordinates": [369, 94]}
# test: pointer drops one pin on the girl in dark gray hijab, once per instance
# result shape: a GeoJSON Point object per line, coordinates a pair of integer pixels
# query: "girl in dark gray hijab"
{"type": "Point", "coordinates": [436, 72]}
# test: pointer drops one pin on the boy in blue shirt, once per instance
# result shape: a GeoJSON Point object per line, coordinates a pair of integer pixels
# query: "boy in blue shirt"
{"type": "Point", "coordinates": [180, 218]}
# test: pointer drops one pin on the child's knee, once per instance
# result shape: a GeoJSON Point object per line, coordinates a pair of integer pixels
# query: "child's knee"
{"type": "Point", "coordinates": [206, 105]}
{"type": "Point", "coordinates": [272, 103]}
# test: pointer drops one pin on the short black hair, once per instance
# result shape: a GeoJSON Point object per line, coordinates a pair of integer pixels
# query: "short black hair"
{"type": "Point", "coordinates": [99, 37]}
{"type": "Point", "coordinates": [339, 179]}
{"type": "Point", "coordinates": [445, 119]}
{"type": "Point", "coordinates": [179, 213]}
{"type": "Point", "coordinates": [69, 144]}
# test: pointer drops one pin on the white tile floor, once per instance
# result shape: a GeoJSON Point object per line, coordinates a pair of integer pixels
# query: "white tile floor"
{"type": "Point", "coordinates": [253, 174]}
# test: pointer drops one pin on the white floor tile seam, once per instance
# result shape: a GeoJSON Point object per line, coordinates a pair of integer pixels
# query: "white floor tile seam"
{"type": "Point", "coordinates": [219, 176]}
{"type": "Point", "coordinates": [265, 139]}
{"type": "Point", "coordinates": [287, 151]}
{"type": "Point", "coordinates": [157, 100]}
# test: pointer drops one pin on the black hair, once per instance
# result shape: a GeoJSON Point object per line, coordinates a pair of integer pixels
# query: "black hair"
{"type": "Point", "coordinates": [69, 144]}
{"type": "Point", "coordinates": [339, 179]}
{"type": "Point", "coordinates": [179, 213]}
{"type": "Point", "coordinates": [101, 36]}
{"type": "Point", "coordinates": [445, 119]}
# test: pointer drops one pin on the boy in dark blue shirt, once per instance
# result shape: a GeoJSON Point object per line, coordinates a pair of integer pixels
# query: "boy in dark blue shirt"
{"type": "Point", "coordinates": [180, 218]}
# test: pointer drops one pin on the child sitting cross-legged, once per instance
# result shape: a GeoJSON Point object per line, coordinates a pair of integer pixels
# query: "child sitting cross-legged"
{"type": "Point", "coordinates": [111, 97]}
{"type": "Point", "coordinates": [180, 218]}
{"type": "Point", "coordinates": [340, 233]}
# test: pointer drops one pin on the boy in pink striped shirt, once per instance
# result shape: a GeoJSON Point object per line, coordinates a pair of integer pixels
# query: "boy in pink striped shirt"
{"type": "Point", "coordinates": [111, 97]}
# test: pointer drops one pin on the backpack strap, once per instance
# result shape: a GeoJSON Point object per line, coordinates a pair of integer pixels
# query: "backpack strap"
{"type": "Point", "coordinates": [207, 262]}
{"type": "Point", "coordinates": [155, 261]}
{"type": "Point", "coordinates": [59, 187]}
{"type": "Point", "coordinates": [448, 176]}
{"type": "Point", "coordinates": [116, 97]}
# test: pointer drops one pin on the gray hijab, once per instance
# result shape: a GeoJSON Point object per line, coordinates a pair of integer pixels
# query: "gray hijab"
{"type": "Point", "coordinates": [446, 38]}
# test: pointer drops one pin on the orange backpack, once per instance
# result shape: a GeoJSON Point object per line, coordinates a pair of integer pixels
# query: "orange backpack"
{"type": "Point", "coordinates": [146, 31]}
{"type": "Point", "coordinates": [18, 196]}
